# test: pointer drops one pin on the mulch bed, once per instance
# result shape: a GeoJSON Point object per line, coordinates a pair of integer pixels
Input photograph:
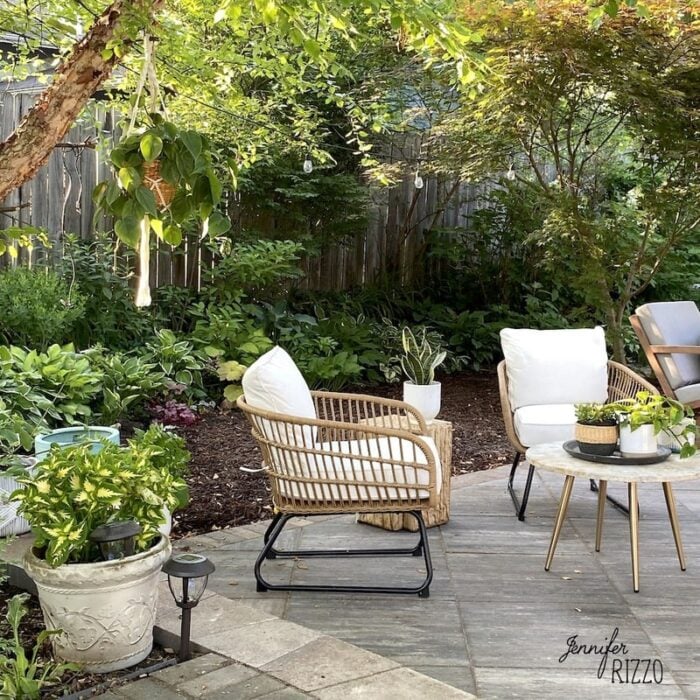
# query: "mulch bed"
{"type": "Point", "coordinates": [221, 495]}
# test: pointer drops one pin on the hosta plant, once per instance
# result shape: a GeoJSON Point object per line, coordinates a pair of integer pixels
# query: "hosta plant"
{"type": "Point", "coordinates": [73, 491]}
{"type": "Point", "coordinates": [421, 357]}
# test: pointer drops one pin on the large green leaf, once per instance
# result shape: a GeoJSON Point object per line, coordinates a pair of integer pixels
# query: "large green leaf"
{"type": "Point", "coordinates": [218, 224]}
{"type": "Point", "coordinates": [193, 142]}
{"type": "Point", "coordinates": [150, 146]}
{"type": "Point", "coordinates": [147, 200]}
{"type": "Point", "coordinates": [128, 230]}
{"type": "Point", "coordinates": [172, 235]}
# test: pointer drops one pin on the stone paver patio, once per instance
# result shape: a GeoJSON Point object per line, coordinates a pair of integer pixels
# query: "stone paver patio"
{"type": "Point", "coordinates": [496, 624]}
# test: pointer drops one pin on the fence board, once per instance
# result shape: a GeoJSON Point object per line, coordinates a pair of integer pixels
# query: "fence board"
{"type": "Point", "coordinates": [59, 199]}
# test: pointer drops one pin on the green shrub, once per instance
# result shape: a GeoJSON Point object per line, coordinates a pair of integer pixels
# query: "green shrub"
{"type": "Point", "coordinates": [264, 267]}
{"type": "Point", "coordinates": [24, 677]}
{"type": "Point", "coordinates": [73, 491]}
{"type": "Point", "coordinates": [114, 321]}
{"type": "Point", "coordinates": [38, 308]}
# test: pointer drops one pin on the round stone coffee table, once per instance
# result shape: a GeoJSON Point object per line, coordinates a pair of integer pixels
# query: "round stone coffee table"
{"type": "Point", "coordinates": [552, 457]}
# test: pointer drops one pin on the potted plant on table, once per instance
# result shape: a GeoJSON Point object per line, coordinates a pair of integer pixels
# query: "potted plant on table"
{"type": "Point", "coordinates": [646, 416]}
{"type": "Point", "coordinates": [104, 603]}
{"type": "Point", "coordinates": [419, 362]}
{"type": "Point", "coordinates": [596, 428]}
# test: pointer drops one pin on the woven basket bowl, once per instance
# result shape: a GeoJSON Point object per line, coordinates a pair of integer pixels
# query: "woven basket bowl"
{"type": "Point", "coordinates": [163, 191]}
{"type": "Point", "coordinates": [596, 439]}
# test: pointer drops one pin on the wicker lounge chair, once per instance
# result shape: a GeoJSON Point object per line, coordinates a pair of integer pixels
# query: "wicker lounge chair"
{"type": "Point", "coordinates": [669, 333]}
{"type": "Point", "coordinates": [552, 379]}
{"type": "Point", "coordinates": [330, 453]}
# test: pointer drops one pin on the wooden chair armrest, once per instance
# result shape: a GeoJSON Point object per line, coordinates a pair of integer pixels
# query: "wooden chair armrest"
{"type": "Point", "coordinates": [681, 349]}
{"type": "Point", "coordinates": [363, 408]}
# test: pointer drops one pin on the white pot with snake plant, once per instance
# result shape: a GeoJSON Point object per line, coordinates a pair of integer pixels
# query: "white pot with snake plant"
{"type": "Point", "coordinates": [419, 361]}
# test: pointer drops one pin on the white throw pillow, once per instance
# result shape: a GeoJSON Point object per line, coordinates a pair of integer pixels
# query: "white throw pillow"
{"type": "Point", "coordinates": [555, 367]}
{"type": "Point", "coordinates": [274, 383]}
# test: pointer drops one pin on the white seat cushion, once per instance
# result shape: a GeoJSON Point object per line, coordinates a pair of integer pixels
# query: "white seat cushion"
{"type": "Point", "coordinates": [547, 423]}
{"type": "Point", "coordinates": [341, 465]}
{"type": "Point", "coordinates": [674, 323]}
{"type": "Point", "coordinates": [555, 366]}
{"type": "Point", "coordinates": [688, 394]}
{"type": "Point", "coordinates": [274, 383]}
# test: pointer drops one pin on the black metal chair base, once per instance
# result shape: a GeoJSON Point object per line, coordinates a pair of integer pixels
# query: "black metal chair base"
{"type": "Point", "coordinates": [613, 501]}
{"type": "Point", "coordinates": [520, 506]}
{"type": "Point", "coordinates": [269, 552]}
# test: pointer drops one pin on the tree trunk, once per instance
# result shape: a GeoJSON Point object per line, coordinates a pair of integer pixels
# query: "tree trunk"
{"type": "Point", "coordinates": [75, 81]}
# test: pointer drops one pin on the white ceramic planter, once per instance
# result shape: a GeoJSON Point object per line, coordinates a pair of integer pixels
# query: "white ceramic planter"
{"type": "Point", "coordinates": [106, 610]}
{"type": "Point", "coordinates": [672, 440]}
{"type": "Point", "coordinates": [637, 443]}
{"type": "Point", "coordinates": [424, 397]}
{"type": "Point", "coordinates": [10, 522]}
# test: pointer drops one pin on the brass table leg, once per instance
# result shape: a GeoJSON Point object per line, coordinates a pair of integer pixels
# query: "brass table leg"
{"type": "Point", "coordinates": [634, 532]}
{"type": "Point", "coordinates": [602, 491]}
{"type": "Point", "coordinates": [673, 517]}
{"type": "Point", "coordinates": [561, 514]}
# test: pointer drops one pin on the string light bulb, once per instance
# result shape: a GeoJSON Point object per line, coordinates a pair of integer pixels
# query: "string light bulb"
{"type": "Point", "coordinates": [308, 165]}
{"type": "Point", "coordinates": [418, 181]}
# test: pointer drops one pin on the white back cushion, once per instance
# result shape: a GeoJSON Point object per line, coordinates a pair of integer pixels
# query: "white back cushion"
{"type": "Point", "coordinates": [674, 323]}
{"type": "Point", "coordinates": [555, 367]}
{"type": "Point", "coordinates": [274, 383]}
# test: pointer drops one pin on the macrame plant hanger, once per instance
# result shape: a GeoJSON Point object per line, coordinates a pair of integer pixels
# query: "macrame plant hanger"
{"type": "Point", "coordinates": [147, 81]}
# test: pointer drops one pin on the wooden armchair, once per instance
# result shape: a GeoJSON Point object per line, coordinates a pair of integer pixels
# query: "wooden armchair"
{"type": "Point", "coordinates": [545, 407]}
{"type": "Point", "coordinates": [669, 333]}
{"type": "Point", "coordinates": [349, 458]}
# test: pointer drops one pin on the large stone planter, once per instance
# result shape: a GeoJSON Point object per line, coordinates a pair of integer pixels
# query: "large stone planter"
{"type": "Point", "coordinates": [106, 610]}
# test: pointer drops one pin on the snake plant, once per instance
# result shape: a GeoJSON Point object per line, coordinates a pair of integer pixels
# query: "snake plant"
{"type": "Point", "coordinates": [421, 358]}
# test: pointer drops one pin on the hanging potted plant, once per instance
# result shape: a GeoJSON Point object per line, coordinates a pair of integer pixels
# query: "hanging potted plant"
{"type": "Point", "coordinates": [419, 363]}
{"type": "Point", "coordinates": [596, 428]}
{"type": "Point", "coordinates": [164, 181]}
{"type": "Point", "coordinates": [100, 591]}
{"type": "Point", "coordinates": [646, 416]}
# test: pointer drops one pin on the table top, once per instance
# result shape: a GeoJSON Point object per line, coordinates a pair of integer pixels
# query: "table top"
{"type": "Point", "coordinates": [552, 458]}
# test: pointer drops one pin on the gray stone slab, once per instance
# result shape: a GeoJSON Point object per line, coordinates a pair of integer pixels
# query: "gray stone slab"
{"type": "Point", "coordinates": [257, 645]}
{"type": "Point", "coordinates": [500, 578]}
{"type": "Point", "coordinates": [398, 683]}
{"type": "Point", "coordinates": [555, 684]}
{"type": "Point", "coordinates": [205, 686]}
{"type": "Point", "coordinates": [146, 689]}
{"type": "Point", "coordinates": [534, 635]}
{"type": "Point", "coordinates": [285, 694]}
{"type": "Point", "coordinates": [460, 677]}
{"type": "Point", "coordinates": [212, 613]}
{"type": "Point", "coordinates": [326, 661]}
{"type": "Point", "coordinates": [189, 670]}
{"type": "Point", "coordinates": [674, 632]}
{"type": "Point", "coordinates": [407, 629]}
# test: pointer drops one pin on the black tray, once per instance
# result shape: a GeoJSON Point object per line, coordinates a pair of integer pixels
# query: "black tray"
{"type": "Point", "coordinates": [662, 454]}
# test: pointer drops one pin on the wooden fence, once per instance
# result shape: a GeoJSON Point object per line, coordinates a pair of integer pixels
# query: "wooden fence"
{"type": "Point", "coordinates": [59, 199]}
